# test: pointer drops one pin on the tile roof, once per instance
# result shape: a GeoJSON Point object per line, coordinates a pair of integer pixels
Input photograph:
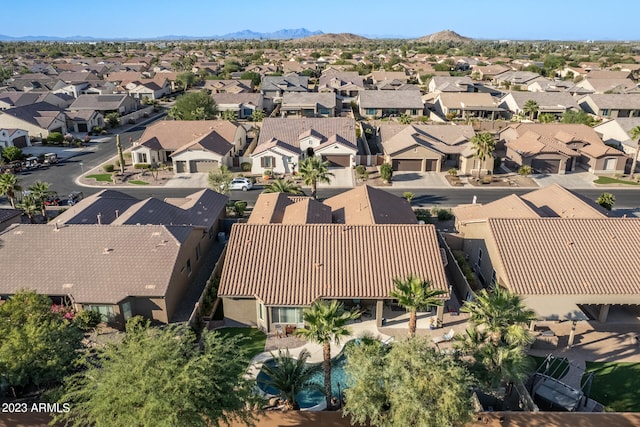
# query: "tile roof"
{"type": "Point", "coordinates": [296, 264]}
{"type": "Point", "coordinates": [270, 208]}
{"type": "Point", "coordinates": [391, 99]}
{"type": "Point", "coordinates": [298, 99]}
{"type": "Point", "coordinates": [368, 205]}
{"type": "Point", "coordinates": [40, 114]}
{"type": "Point", "coordinates": [307, 211]}
{"type": "Point", "coordinates": [238, 98]}
{"type": "Point", "coordinates": [530, 144]}
{"type": "Point", "coordinates": [563, 131]}
{"type": "Point", "coordinates": [545, 100]}
{"type": "Point", "coordinates": [615, 101]}
{"type": "Point", "coordinates": [442, 138]}
{"type": "Point", "coordinates": [570, 256]}
{"type": "Point", "coordinates": [288, 130]}
{"type": "Point", "coordinates": [99, 102]}
{"type": "Point", "coordinates": [174, 134]}
{"type": "Point", "coordinates": [101, 265]}
{"type": "Point", "coordinates": [468, 100]}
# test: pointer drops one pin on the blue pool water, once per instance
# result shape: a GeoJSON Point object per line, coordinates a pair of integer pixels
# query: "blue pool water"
{"type": "Point", "coordinates": [310, 398]}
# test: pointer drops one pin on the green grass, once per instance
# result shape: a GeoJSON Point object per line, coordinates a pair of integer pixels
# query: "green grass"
{"type": "Point", "coordinates": [138, 182]}
{"type": "Point", "coordinates": [609, 180]}
{"type": "Point", "coordinates": [255, 341]}
{"type": "Point", "coordinates": [101, 177]}
{"type": "Point", "coordinates": [616, 385]}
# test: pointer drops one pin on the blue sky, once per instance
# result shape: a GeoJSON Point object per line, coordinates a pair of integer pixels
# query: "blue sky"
{"type": "Point", "coordinates": [497, 19]}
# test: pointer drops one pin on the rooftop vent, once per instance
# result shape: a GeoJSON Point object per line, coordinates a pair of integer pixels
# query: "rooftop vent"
{"type": "Point", "coordinates": [107, 250]}
{"type": "Point", "coordinates": [67, 285]}
{"type": "Point", "coordinates": [149, 286]}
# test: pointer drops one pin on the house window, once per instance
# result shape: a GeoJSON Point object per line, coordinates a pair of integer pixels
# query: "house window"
{"type": "Point", "coordinates": [260, 311]}
{"type": "Point", "coordinates": [142, 157]}
{"type": "Point", "coordinates": [479, 263]}
{"type": "Point", "coordinates": [188, 267]}
{"type": "Point", "coordinates": [287, 315]}
{"type": "Point", "coordinates": [106, 311]}
{"type": "Point", "coordinates": [267, 162]}
{"type": "Point", "coordinates": [197, 252]}
{"type": "Point", "coordinates": [289, 159]}
{"type": "Point", "coordinates": [605, 112]}
{"type": "Point", "coordinates": [370, 111]}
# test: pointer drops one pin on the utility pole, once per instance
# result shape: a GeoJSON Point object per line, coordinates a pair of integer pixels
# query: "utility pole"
{"type": "Point", "coordinates": [120, 155]}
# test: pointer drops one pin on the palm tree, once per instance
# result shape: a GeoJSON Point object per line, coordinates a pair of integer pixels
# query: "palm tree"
{"type": "Point", "coordinates": [291, 376]}
{"type": "Point", "coordinates": [326, 322]}
{"type": "Point", "coordinates": [229, 115]}
{"type": "Point", "coordinates": [415, 294]}
{"type": "Point", "coordinates": [635, 135]}
{"type": "Point", "coordinates": [9, 184]}
{"type": "Point", "coordinates": [282, 186]}
{"type": "Point", "coordinates": [314, 170]}
{"type": "Point", "coordinates": [405, 119]}
{"type": "Point", "coordinates": [29, 206]}
{"type": "Point", "coordinates": [606, 200]}
{"type": "Point", "coordinates": [483, 145]}
{"type": "Point", "coordinates": [40, 191]}
{"type": "Point", "coordinates": [531, 107]}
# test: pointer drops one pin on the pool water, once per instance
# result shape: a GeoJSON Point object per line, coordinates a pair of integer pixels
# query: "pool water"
{"type": "Point", "coordinates": [309, 398]}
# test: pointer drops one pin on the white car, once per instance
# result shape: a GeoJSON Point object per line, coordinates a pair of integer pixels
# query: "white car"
{"type": "Point", "coordinates": [243, 184]}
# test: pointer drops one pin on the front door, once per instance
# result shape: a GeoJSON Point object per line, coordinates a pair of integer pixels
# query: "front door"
{"type": "Point", "coordinates": [126, 311]}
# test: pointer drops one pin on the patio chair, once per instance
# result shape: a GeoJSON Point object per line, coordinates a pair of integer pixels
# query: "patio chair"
{"type": "Point", "coordinates": [279, 330]}
{"type": "Point", "coordinates": [444, 338]}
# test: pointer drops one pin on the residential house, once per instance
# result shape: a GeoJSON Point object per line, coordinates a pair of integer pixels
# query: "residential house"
{"type": "Point", "coordinates": [228, 86]}
{"type": "Point", "coordinates": [439, 84]}
{"type": "Point", "coordinates": [546, 85]}
{"type": "Point", "coordinates": [345, 84]}
{"type": "Point", "coordinates": [84, 121]}
{"type": "Point", "coordinates": [20, 99]}
{"type": "Point", "coordinates": [121, 104]}
{"type": "Point", "coordinates": [378, 77]}
{"type": "Point", "coordinates": [368, 227]}
{"type": "Point", "coordinates": [274, 87]}
{"type": "Point", "coordinates": [243, 104]}
{"type": "Point", "coordinates": [378, 103]}
{"type": "Point", "coordinates": [516, 79]}
{"type": "Point", "coordinates": [488, 72]}
{"type": "Point", "coordinates": [429, 148]}
{"type": "Point", "coordinates": [37, 119]}
{"type": "Point", "coordinates": [608, 85]}
{"type": "Point", "coordinates": [466, 105]}
{"type": "Point", "coordinates": [612, 105]}
{"type": "Point", "coordinates": [617, 133]}
{"type": "Point", "coordinates": [190, 146]}
{"type": "Point", "coordinates": [555, 103]}
{"type": "Point", "coordinates": [283, 143]}
{"type": "Point", "coordinates": [150, 89]}
{"type": "Point", "coordinates": [14, 138]}
{"type": "Point", "coordinates": [308, 104]}
{"type": "Point", "coordinates": [560, 148]}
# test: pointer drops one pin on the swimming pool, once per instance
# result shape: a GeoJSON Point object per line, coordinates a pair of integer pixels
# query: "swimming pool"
{"type": "Point", "coordinates": [310, 398]}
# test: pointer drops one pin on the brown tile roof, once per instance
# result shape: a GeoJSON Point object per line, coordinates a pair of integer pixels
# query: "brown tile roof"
{"type": "Point", "coordinates": [269, 208]}
{"type": "Point", "coordinates": [102, 264]}
{"type": "Point", "coordinates": [307, 211]}
{"type": "Point", "coordinates": [557, 256]}
{"type": "Point", "coordinates": [561, 131]}
{"type": "Point", "coordinates": [289, 130]}
{"type": "Point", "coordinates": [297, 264]}
{"type": "Point", "coordinates": [530, 144]}
{"type": "Point", "coordinates": [175, 134]}
{"type": "Point", "coordinates": [511, 206]}
{"type": "Point", "coordinates": [441, 138]}
{"type": "Point", "coordinates": [368, 205]}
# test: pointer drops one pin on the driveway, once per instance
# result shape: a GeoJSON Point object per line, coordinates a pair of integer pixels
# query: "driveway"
{"type": "Point", "coordinates": [569, 180]}
{"type": "Point", "coordinates": [419, 180]}
{"type": "Point", "coordinates": [342, 178]}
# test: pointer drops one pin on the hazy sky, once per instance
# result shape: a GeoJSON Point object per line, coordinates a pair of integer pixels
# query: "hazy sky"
{"type": "Point", "coordinates": [495, 19]}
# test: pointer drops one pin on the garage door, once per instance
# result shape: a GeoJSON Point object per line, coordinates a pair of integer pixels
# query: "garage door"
{"type": "Point", "coordinates": [432, 165]}
{"type": "Point", "coordinates": [20, 142]}
{"type": "Point", "coordinates": [181, 167]}
{"type": "Point", "coordinates": [338, 160]}
{"type": "Point", "coordinates": [203, 165]}
{"type": "Point", "coordinates": [546, 166]}
{"type": "Point", "coordinates": [407, 165]}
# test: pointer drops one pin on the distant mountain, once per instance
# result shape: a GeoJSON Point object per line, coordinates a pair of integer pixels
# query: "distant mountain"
{"type": "Point", "coordinates": [342, 38]}
{"type": "Point", "coordinates": [443, 36]}
{"type": "Point", "coordinates": [284, 34]}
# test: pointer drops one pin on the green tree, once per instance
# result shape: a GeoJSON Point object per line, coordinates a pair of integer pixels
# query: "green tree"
{"type": "Point", "coordinates": [546, 118]}
{"type": "Point", "coordinates": [581, 117]}
{"type": "Point", "coordinates": [194, 106]}
{"type": "Point", "coordinates": [258, 115]}
{"type": "Point", "coordinates": [220, 179]}
{"type": "Point", "coordinates": [253, 76]}
{"type": "Point", "coordinates": [484, 144]}
{"type": "Point", "coordinates": [313, 170]}
{"type": "Point", "coordinates": [635, 136]}
{"type": "Point", "coordinates": [282, 186]}
{"type": "Point", "coordinates": [161, 377]}
{"type": "Point", "coordinates": [326, 322]}
{"type": "Point", "coordinates": [606, 200]}
{"type": "Point", "coordinates": [292, 376]}
{"type": "Point", "coordinates": [12, 153]}
{"type": "Point", "coordinates": [531, 107]}
{"type": "Point", "coordinates": [240, 206]}
{"type": "Point", "coordinates": [113, 119]}
{"type": "Point", "coordinates": [407, 383]}
{"type": "Point", "coordinates": [415, 294]}
{"type": "Point", "coordinates": [386, 172]}
{"type": "Point", "coordinates": [498, 337]}
{"type": "Point", "coordinates": [38, 344]}
{"type": "Point", "coordinates": [9, 185]}
{"type": "Point", "coordinates": [186, 80]}
{"type": "Point", "coordinates": [229, 115]}
{"type": "Point", "coordinates": [40, 191]}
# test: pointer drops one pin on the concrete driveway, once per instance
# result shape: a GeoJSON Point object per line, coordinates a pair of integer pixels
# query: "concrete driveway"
{"type": "Point", "coordinates": [569, 180]}
{"type": "Point", "coordinates": [342, 178]}
{"type": "Point", "coordinates": [419, 180]}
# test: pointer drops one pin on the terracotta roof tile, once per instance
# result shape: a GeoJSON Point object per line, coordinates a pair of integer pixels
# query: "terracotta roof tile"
{"type": "Point", "coordinates": [369, 205]}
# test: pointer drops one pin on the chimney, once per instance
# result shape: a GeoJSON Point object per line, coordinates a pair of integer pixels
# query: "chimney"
{"type": "Point", "coordinates": [99, 218]}
{"type": "Point", "coordinates": [117, 213]}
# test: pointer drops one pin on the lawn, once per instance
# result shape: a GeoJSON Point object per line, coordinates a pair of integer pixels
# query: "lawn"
{"type": "Point", "coordinates": [101, 177]}
{"type": "Point", "coordinates": [616, 385]}
{"type": "Point", "coordinates": [609, 180]}
{"type": "Point", "coordinates": [255, 341]}
{"type": "Point", "coordinates": [138, 182]}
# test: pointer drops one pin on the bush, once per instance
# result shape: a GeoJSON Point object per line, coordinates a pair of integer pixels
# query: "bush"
{"type": "Point", "coordinates": [487, 179]}
{"type": "Point", "coordinates": [525, 170]}
{"type": "Point", "coordinates": [453, 172]}
{"type": "Point", "coordinates": [360, 170]}
{"type": "Point", "coordinates": [386, 171]}
{"type": "Point", "coordinates": [55, 138]}
{"type": "Point", "coordinates": [461, 259]}
{"type": "Point", "coordinates": [143, 166]}
{"type": "Point", "coordinates": [87, 320]}
{"type": "Point", "coordinates": [422, 214]}
{"type": "Point", "coordinates": [245, 166]}
{"type": "Point", "coordinates": [108, 167]}
{"type": "Point", "coordinates": [445, 214]}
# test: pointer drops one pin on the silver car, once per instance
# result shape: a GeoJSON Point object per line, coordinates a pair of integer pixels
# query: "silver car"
{"type": "Point", "coordinates": [243, 184]}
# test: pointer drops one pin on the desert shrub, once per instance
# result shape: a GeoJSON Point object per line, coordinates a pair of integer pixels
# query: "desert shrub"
{"type": "Point", "coordinates": [142, 166]}
{"type": "Point", "coordinates": [108, 167]}
{"type": "Point", "coordinates": [422, 214]}
{"type": "Point", "coordinates": [386, 171]}
{"type": "Point", "coordinates": [445, 214]}
{"type": "Point", "coordinates": [245, 166]}
{"type": "Point", "coordinates": [453, 172]}
{"type": "Point", "coordinates": [55, 138]}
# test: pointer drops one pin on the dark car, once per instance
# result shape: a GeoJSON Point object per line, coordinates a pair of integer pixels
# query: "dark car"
{"type": "Point", "coordinates": [52, 200]}
{"type": "Point", "coordinates": [74, 198]}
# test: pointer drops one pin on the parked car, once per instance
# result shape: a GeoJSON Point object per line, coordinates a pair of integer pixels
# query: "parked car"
{"type": "Point", "coordinates": [32, 163]}
{"type": "Point", "coordinates": [50, 158]}
{"type": "Point", "coordinates": [243, 184]}
{"type": "Point", "coordinates": [74, 197]}
{"type": "Point", "coordinates": [52, 200]}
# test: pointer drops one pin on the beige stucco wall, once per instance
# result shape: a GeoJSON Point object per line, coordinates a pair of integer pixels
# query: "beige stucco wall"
{"type": "Point", "coordinates": [240, 310]}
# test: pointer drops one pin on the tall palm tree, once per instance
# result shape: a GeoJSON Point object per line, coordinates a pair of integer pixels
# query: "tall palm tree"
{"type": "Point", "coordinates": [9, 185]}
{"type": "Point", "coordinates": [415, 294]}
{"type": "Point", "coordinates": [40, 191]}
{"type": "Point", "coordinates": [484, 144]}
{"type": "Point", "coordinates": [531, 107]}
{"type": "Point", "coordinates": [291, 376]}
{"type": "Point", "coordinates": [282, 186]}
{"type": "Point", "coordinates": [29, 206]}
{"type": "Point", "coordinates": [635, 135]}
{"type": "Point", "coordinates": [314, 170]}
{"type": "Point", "coordinates": [326, 322]}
